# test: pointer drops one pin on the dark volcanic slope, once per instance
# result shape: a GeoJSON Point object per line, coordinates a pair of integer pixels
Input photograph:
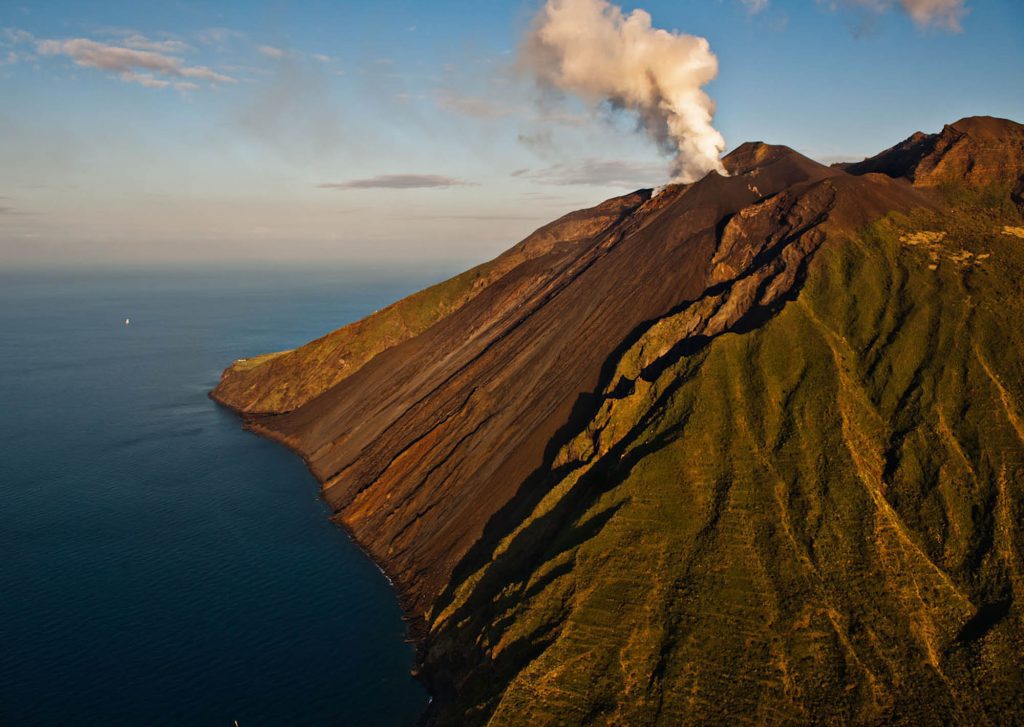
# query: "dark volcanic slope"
{"type": "Point", "coordinates": [751, 448]}
{"type": "Point", "coordinates": [282, 381]}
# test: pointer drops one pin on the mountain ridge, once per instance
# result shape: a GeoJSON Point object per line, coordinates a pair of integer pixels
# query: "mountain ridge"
{"type": "Point", "coordinates": [467, 446]}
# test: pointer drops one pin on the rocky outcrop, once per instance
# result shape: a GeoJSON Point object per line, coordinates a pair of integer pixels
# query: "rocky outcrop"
{"type": "Point", "coordinates": [975, 150]}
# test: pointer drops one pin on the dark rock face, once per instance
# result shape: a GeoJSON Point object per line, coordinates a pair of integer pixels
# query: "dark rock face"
{"type": "Point", "coordinates": [721, 452]}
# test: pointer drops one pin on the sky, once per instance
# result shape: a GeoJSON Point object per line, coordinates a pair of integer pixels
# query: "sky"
{"type": "Point", "coordinates": [334, 132]}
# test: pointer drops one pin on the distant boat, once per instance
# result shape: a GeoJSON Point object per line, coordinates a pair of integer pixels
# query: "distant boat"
{"type": "Point", "coordinates": [127, 321]}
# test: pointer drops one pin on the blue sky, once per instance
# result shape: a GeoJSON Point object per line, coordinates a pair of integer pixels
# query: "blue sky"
{"type": "Point", "coordinates": [342, 131]}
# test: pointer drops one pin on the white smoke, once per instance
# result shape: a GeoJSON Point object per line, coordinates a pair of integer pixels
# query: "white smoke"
{"type": "Point", "coordinates": [592, 49]}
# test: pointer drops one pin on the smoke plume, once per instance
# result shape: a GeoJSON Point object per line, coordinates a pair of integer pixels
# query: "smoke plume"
{"type": "Point", "coordinates": [592, 49]}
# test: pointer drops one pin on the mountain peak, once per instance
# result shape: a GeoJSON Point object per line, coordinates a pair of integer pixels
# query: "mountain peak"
{"type": "Point", "coordinates": [772, 167]}
{"type": "Point", "coordinates": [975, 149]}
{"type": "Point", "coordinates": [986, 127]}
{"type": "Point", "coordinates": [751, 155]}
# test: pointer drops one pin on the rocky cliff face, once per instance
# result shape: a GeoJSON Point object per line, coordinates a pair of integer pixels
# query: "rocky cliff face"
{"type": "Point", "coordinates": [750, 448]}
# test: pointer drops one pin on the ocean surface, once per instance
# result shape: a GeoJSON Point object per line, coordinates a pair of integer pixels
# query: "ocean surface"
{"type": "Point", "coordinates": [158, 565]}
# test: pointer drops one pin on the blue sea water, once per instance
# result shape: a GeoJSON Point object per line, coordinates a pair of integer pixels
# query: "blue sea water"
{"type": "Point", "coordinates": [158, 564]}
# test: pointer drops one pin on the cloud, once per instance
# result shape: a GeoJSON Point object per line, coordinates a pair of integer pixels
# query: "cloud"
{"type": "Point", "coordinates": [16, 36]}
{"type": "Point", "coordinates": [320, 57]}
{"type": "Point", "coordinates": [10, 39]}
{"type": "Point", "coordinates": [598, 173]}
{"type": "Point", "coordinates": [137, 41]}
{"type": "Point", "coordinates": [144, 79]}
{"type": "Point", "coordinates": [941, 13]}
{"type": "Point", "coordinates": [148, 80]}
{"type": "Point", "coordinates": [609, 59]}
{"type": "Point", "coordinates": [141, 42]}
{"type": "Point", "coordinates": [497, 217]}
{"type": "Point", "coordinates": [397, 181]}
{"type": "Point", "coordinates": [271, 52]}
{"type": "Point", "coordinates": [477, 108]}
{"type": "Point", "coordinates": [946, 14]}
{"type": "Point", "coordinates": [754, 6]}
{"type": "Point", "coordinates": [127, 62]}
{"type": "Point", "coordinates": [218, 36]}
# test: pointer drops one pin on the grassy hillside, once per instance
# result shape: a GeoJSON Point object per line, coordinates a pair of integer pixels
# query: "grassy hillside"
{"type": "Point", "coordinates": [282, 381]}
{"type": "Point", "coordinates": [817, 518]}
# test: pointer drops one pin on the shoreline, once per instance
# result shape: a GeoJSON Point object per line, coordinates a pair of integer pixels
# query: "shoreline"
{"type": "Point", "coordinates": [416, 626]}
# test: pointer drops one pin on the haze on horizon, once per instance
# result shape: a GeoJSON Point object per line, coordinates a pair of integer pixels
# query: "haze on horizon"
{"type": "Point", "coordinates": [238, 132]}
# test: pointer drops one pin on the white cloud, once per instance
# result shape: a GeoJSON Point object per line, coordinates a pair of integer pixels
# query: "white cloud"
{"type": "Point", "coordinates": [271, 52]}
{"type": "Point", "coordinates": [397, 181]}
{"type": "Point", "coordinates": [128, 62]}
{"type": "Point", "coordinates": [945, 14]}
{"type": "Point", "coordinates": [138, 41]}
{"type": "Point", "coordinates": [942, 13]}
{"type": "Point", "coordinates": [144, 79]}
{"type": "Point", "coordinates": [130, 38]}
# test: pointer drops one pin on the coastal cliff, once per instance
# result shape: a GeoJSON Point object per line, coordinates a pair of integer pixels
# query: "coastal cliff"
{"type": "Point", "coordinates": [747, 448]}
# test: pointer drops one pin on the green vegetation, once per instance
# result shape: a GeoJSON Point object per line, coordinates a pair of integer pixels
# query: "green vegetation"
{"type": "Point", "coordinates": [816, 520]}
{"type": "Point", "coordinates": [283, 381]}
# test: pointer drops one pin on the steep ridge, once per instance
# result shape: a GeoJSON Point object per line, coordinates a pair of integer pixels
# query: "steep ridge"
{"type": "Point", "coordinates": [746, 449]}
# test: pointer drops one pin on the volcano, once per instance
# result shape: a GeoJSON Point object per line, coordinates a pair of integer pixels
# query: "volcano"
{"type": "Point", "coordinates": [750, 448]}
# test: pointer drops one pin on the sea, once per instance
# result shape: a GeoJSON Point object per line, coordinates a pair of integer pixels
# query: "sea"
{"type": "Point", "coordinates": [158, 564]}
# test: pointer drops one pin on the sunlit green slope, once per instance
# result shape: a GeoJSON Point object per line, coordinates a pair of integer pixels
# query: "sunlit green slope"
{"type": "Point", "coordinates": [817, 518]}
